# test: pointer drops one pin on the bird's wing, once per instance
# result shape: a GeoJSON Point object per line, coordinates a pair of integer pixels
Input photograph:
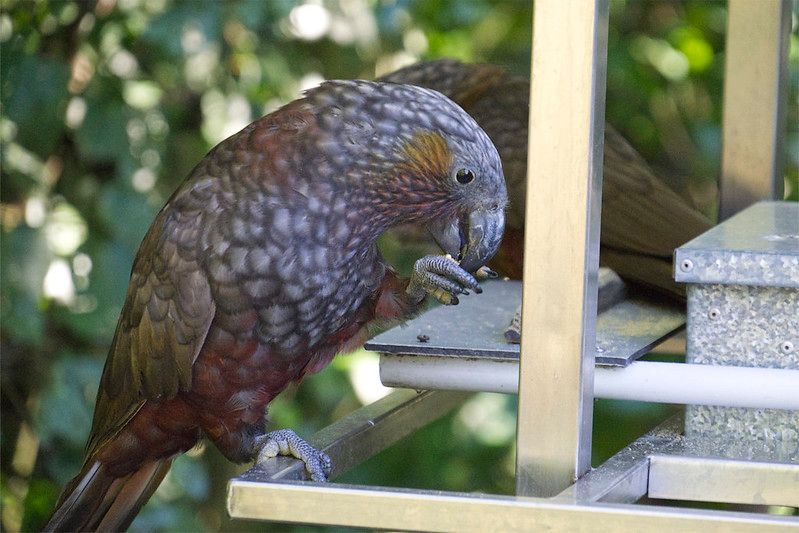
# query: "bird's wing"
{"type": "Point", "coordinates": [640, 213]}
{"type": "Point", "coordinates": [464, 83]}
{"type": "Point", "coordinates": [167, 314]}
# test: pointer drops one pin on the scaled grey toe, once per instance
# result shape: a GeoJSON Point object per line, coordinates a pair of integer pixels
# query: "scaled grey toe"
{"type": "Point", "coordinates": [287, 442]}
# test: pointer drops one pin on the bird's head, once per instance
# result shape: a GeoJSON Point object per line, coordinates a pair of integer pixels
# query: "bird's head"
{"type": "Point", "coordinates": [413, 155]}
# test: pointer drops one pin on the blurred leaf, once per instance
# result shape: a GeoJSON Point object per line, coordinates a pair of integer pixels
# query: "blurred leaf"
{"type": "Point", "coordinates": [24, 262]}
{"type": "Point", "coordinates": [103, 137]}
{"type": "Point", "coordinates": [617, 423]}
{"type": "Point", "coordinates": [34, 96]}
{"type": "Point", "coordinates": [97, 307]}
{"type": "Point", "coordinates": [65, 410]}
{"type": "Point", "coordinates": [692, 43]}
{"type": "Point", "coordinates": [166, 518]}
{"type": "Point", "coordinates": [166, 29]}
{"type": "Point", "coordinates": [192, 476]}
{"type": "Point", "coordinates": [126, 213]}
{"type": "Point", "coordinates": [42, 496]}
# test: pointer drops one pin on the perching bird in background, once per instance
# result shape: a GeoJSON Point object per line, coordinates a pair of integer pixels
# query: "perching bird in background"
{"type": "Point", "coordinates": [263, 265]}
{"type": "Point", "coordinates": [643, 220]}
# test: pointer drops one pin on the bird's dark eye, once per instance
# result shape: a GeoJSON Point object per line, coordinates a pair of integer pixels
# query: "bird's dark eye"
{"type": "Point", "coordinates": [464, 176]}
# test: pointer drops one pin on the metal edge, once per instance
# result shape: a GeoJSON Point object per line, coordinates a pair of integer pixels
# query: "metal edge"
{"type": "Point", "coordinates": [412, 510]}
{"type": "Point", "coordinates": [363, 433]}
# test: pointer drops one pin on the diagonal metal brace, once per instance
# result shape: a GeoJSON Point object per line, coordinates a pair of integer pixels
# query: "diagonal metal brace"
{"type": "Point", "coordinates": [364, 433]}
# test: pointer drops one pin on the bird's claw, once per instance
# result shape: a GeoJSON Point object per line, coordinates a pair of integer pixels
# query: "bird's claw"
{"type": "Point", "coordinates": [287, 442]}
{"type": "Point", "coordinates": [441, 277]}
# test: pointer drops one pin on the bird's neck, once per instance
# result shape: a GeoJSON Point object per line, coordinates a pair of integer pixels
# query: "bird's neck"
{"type": "Point", "coordinates": [388, 203]}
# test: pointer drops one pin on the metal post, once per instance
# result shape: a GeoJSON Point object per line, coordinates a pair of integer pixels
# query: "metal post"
{"type": "Point", "coordinates": [567, 109]}
{"type": "Point", "coordinates": [755, 83]}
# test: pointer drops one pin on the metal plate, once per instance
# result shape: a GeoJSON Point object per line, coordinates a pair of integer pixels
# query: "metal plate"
{"type": "Point", "coordinates": [758, 246]}
{"type": "Point", "coordinates": [475, 328]}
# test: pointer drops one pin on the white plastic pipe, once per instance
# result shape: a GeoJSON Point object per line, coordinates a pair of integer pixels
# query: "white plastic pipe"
{"type": "Point", "coordinates": [680, 383]}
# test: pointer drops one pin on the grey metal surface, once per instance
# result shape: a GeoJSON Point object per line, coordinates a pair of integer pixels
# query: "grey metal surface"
{"type": "Point", "coordinates": [723, 480]}
{"type": "Point", "coordinates": [758, 246]}
{"type": "Point", "coordinates": [624, 477]}
{"type": "Point", "coordinates": [723, 467]}
{"type": "Point", "coordinates": [363, 433]}
{"type": "Point", "coordinates": [611, 290]}
{"type": "Point", "coordinates": [755, 95]}
{"type": "Point", "coordinates": [474, 329]}
{"type": "Point", "coordinates": [562, 212]}
{"type": "Point", "coordinates": [421, 510]}
{"type": "Point", "coordinates": [631, 328]}
{"type": "Point", "coordinates": [660, 464]}
{"type": "Point", "coordinates": [747, 326]}
{"type": "Point", "coordinates": [742, 325]}
{"type": "Point", "coordinates": [663, 464]}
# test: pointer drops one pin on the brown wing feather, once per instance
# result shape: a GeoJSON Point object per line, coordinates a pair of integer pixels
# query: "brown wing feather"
{"type": "Point", "coordinates": [640, 213]}
{"type": "Point", "coordinates": [164, 322]}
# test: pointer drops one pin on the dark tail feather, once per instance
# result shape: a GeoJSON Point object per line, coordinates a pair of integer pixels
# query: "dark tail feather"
{"type": "Point", "coordinates": [95, 500]}
{"type": "Point", "coordinates": [652, 272]}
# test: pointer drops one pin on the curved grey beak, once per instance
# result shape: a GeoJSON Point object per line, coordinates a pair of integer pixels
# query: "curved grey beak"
{"type": "Point", "coordinates": [472, 239]}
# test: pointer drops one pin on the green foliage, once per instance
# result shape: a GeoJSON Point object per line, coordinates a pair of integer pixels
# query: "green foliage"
{"type": "Point", "coordinates": [106, 106]}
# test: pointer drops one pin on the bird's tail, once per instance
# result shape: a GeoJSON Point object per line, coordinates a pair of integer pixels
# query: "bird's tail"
{"type": "Point", "coordinates": [96, 500]}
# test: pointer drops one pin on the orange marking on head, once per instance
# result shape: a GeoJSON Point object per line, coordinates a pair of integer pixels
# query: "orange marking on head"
{"type": "Point", "coordinates": [428, 155]}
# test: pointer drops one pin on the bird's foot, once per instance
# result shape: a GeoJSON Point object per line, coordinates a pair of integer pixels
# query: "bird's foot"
{"type": "Point", "coordinates": [286, 442]}
{"type": "Point", "coordinates": [441, 277]}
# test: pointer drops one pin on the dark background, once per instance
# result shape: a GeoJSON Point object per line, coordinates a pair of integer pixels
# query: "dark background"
{"type": "Point", "coordinates": [107, 105]}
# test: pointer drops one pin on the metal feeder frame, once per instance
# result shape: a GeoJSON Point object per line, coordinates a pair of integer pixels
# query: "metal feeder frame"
{"type": "Point", "coordinates": [556, 489]}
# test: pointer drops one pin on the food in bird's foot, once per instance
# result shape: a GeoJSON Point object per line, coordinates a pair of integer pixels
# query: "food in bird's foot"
{"type": "Point", "coordinates": [287, 442]}
{"type": "Point", "coordinates": [484, 273]}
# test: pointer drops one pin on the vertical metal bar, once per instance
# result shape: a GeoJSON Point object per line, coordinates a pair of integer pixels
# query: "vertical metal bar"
{"type": "Point", "coordinates": [755, 88]}
{"type": "Point", "coordinates": [567, 109]}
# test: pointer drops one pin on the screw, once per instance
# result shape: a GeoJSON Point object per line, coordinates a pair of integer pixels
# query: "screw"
{"type": "Point", "coordinates": [714, 313]}
{"type": "Point", "coordinates": [786, 347]}
{"type": "Point", "coordinates": [686, 265]}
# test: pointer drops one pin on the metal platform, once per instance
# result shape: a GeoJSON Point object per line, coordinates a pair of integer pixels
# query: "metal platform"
{"type": "Point", "coordinates": [757, 247]}
{"type": "Point", "coordinates": [660, 465]}
{"type": "Point", "coordinates": [626, 329]}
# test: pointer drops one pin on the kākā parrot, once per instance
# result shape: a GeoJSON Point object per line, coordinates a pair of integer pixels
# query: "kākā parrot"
{"type": "Point", "coordinates": [263, 265]}
{"type": "Point", "coordinates": [643, 220]}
